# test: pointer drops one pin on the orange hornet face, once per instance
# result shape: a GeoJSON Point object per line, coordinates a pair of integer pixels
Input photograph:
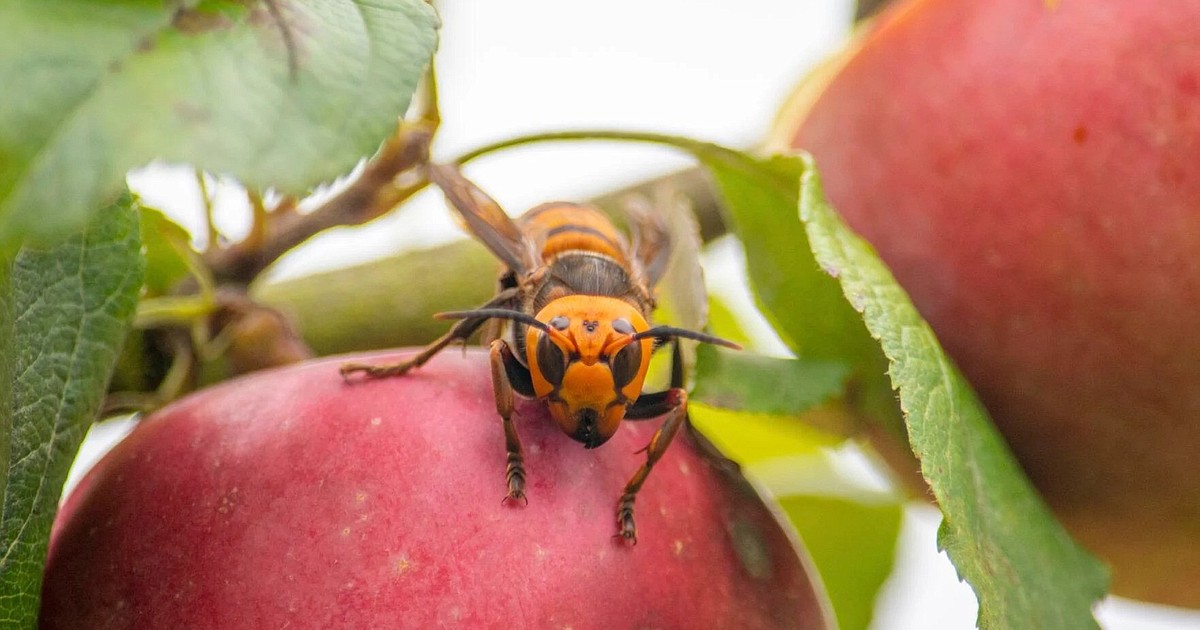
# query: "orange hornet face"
{"type": "Point", "coordinates": [588, 367]}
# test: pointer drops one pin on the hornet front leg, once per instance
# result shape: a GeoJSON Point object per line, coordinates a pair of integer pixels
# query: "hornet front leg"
{"type": "Point", "coordinates": [508, 374]}
{"type": "Point", "coordinates": [672, 402]}
{"type": "Point", "coordinates": [460, 331]}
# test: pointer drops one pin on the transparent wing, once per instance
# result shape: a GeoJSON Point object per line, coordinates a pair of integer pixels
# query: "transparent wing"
{"type": "Point", "coordinates": [485, 219]}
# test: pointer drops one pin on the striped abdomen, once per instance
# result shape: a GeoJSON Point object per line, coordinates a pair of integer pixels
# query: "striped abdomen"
{"type": "Point", "coordinates": [563, 227]}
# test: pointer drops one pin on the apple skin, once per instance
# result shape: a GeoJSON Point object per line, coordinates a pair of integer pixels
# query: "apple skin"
{"type": "Point", "coordinates": [1030, 171]}
{"type": "Point", "coordinates": [290, 498]}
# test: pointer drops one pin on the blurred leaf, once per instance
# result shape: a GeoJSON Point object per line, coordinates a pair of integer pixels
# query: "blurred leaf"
{"type": "Point", "coordinates": [750, 382]}
{"type": "Point", "coordinates": [71, 307]}
{"type": "Point", "coordinates": [853, 544]}
{"type": "Point", "coordinates": [163, 243]}
{"type": "Point", "coordinates": [750, 438]}
{"type": "Point", "coordinates": [866, 8]}
{"type": "Point", "coordinates": [282, 94]}
{"type": "Point", "coordinates": [724, 324]}
{"type": "Point", "coordinates": [1026, 571]}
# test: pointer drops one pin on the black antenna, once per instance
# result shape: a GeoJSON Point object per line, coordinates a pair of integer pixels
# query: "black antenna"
{"type": "Point", "coordinates": [498, 313]}
{"type": "Point", "coordinates": [667, 332]}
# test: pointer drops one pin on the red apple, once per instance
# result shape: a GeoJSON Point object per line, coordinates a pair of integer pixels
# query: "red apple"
{"type": "Point", "coordinates": [291, 499]}
{"type": "Point", "coordinates": [1031, 173]}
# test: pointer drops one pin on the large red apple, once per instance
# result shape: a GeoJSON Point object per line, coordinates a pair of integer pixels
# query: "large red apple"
{"type": "Point", "coordinates": [291, 499]}
{"type": "Point", "coordinates": [1030, 170]}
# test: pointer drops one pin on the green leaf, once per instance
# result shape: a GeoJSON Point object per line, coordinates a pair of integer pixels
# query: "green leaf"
{"type": "Point", "coordinates": [165, 246]}
{"type": "Point", "coordinates": [801, 304]}
{"type": "Point", "coordinates": [7, 351]}
{"type": "Point", "coordinates": [278, 93]}
{"type": "Point", "coordinates": [71, 306]}
{"type": "Point", "coordinates": [1026, 571]}
{"type": "Point", "coordinates": [724, 324]}
{"type": "Point", "coordinates": [749, 382]}
{"type": "Point", "coordinates": [852, 542]}
{"type": "Point", "coordinates": [753, 438]}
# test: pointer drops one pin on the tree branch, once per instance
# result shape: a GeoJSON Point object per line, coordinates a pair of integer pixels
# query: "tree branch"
{"type": "Point", "coordinates": [374, 192]}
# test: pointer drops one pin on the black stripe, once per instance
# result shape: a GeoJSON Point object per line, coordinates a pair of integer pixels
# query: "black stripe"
{"type": "Point", "coordinates": [583, 229]}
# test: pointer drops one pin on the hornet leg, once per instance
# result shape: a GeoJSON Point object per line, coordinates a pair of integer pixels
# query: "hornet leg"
{"type": "Point", "coordinates": [460, 331]}
{"type": "Point", "coordinates": [673, 402]}
{"type": "Point", "coordinates": [503, 362]}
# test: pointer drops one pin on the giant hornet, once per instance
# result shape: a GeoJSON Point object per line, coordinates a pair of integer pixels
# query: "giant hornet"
{"type": "Point", "coordinates": [574, 301]}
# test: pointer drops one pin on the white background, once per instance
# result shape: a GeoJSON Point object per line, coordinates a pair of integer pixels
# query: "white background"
{"type": "Point", "coordinates": [706, 69]}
